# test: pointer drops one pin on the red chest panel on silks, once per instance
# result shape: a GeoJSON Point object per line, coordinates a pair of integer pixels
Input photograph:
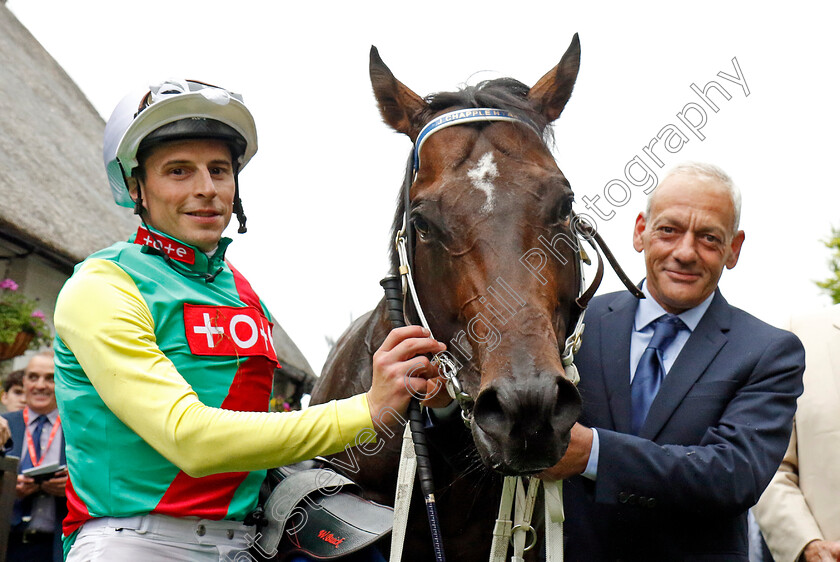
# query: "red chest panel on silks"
{"type": "Point", "coordinates": [228, 331]}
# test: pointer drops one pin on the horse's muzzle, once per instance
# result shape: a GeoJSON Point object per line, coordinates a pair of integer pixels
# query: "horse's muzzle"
{"type": "Point", "coordinates": [522, 425]}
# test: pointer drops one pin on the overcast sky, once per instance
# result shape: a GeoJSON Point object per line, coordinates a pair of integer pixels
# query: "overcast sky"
{"type": "Point", "coordinates": [320, 193]}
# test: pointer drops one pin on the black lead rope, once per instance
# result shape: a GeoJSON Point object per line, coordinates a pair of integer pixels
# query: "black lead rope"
{"type": "Point", "coordinates": [394, 303]}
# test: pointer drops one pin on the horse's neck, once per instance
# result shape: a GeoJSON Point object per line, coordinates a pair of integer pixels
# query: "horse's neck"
{"type": "Point", "coordinates": [377, 327]}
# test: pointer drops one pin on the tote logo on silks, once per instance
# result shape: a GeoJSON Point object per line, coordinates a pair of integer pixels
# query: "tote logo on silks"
{"type": "Point", "coordinates": [165, 245]}
{"type": "Point", "coordinates": [228, 330]}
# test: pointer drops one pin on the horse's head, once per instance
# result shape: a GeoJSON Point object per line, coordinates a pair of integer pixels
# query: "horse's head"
{"type": "Point", "coordinates": [494, 255]}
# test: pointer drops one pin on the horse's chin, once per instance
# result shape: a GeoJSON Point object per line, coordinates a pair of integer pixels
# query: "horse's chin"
{"type": "Point", "coordinates": [515, 459]}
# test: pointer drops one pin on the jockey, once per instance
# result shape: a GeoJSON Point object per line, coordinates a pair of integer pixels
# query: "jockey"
{"type": "Point", "coordinates": [163, 351]}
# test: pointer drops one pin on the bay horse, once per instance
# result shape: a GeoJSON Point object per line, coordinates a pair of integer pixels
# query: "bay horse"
{"type": "Point", "coordinates": [485, 197]}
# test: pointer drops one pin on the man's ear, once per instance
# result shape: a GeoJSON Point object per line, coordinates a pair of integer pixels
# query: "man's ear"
{"type": "Point", "coordinates": [735, 249]}
{"type": "Point", "coordinates": [638, 230]}
{"type": "Point", "coordinates": [132, 188]}
{"type": "Point", "coordinates": [136, 195]}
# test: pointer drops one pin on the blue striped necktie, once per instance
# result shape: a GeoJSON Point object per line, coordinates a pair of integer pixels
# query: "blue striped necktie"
{"type": "Point", "coordinates": [651, 370]}
{"type": "Point", "coordinates": [36, 435]}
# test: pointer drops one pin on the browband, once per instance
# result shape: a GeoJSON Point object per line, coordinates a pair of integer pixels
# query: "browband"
{"type": "Point", "coordinates": [461, 116]}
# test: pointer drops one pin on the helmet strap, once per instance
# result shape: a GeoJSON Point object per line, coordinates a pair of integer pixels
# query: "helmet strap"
{"type": "Point", "coordinates": [138, 203]}
{"type": "Point", "coordinates": [237, 205]}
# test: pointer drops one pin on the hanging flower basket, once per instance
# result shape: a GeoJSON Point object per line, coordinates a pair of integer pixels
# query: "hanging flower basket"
{"type": "Point", "coordinates": [17, 347]}
{"type": "Point", "coordinates": [22, 325]}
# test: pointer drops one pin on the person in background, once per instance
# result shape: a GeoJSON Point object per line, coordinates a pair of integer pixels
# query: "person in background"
{"type": "Point", "coordinates": [13, 397]}
{"type": "Point", "coordinates": [799, 512]}
{"type": "Point", "coordinates": [687, 401]}
{"type": "Point", "coordinates": [38, 440]}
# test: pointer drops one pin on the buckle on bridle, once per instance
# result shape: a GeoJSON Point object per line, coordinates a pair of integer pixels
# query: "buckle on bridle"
{"type": "Point", "coordinates": [453, 386]}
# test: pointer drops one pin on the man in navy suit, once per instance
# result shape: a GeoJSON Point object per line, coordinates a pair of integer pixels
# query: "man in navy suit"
{"type": "Point", "coordinates": [683, 426]}
{"type": "Point", "coordinates": [38, 441]}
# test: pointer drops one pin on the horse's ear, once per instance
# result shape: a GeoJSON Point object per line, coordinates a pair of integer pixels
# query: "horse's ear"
{"type": "Point", "coordinates": [400, 107]}
{"type": "Point", "coordinates": [550, 94]}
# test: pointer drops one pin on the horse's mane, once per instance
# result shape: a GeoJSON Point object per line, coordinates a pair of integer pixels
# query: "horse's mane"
{"type": "Point", "coordinates": [502, 93]}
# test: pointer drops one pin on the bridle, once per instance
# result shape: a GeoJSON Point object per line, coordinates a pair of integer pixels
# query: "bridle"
{"type": "Point", "coordinates": [581, 228]}
{"type": "Point", "coordinates": [414, 439]}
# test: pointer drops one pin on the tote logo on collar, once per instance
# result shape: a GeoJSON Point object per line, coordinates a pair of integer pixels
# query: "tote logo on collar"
{"type": "Point", "coordinates": [175, 250]}
{"type": "Point", "coordinates": [228, 330]}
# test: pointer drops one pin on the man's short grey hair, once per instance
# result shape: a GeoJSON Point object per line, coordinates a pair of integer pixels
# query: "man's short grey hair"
{"type": "Point", "coordinates": [48, 353]}
{"type": "Point", "coordinates": [711, 172]}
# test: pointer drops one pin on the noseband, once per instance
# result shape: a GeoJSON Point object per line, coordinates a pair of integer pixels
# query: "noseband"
{"type": "Point", "coordinates": [582, 229]}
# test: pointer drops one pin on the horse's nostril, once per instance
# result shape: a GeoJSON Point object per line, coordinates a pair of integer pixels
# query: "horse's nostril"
{"type": "Point", "coordinates": [522, 424]}
{"type": "Point", "coordinates": [488, 412]}
{"type": "Point", "coordinates": [547, 404]}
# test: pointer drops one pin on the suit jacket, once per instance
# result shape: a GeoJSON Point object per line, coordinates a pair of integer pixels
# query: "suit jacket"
{"type": "Point", "coordinates": [18, 428]}
{"type": "Point", "coordinates": [712, 440]}
{"type": "Point", "coordinates": [801, 503]}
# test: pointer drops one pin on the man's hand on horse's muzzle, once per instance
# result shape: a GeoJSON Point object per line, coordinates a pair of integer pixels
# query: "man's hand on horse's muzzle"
{"type": "Point", "coordinates": [400, 371]}
{"type": "Point", "coordinates": [576, 457]}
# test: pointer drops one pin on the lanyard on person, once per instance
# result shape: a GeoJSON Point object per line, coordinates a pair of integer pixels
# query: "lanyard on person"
{"type": "Point", "coordinates": [30, 444]}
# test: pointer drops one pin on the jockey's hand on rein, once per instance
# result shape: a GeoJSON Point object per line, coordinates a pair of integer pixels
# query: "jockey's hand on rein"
{"type": "Point", "coordinates": [400, 370]}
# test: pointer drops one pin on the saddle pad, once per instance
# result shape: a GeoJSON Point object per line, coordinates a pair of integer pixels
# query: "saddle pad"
{"type": "Point", "coordinates": [313, 511]}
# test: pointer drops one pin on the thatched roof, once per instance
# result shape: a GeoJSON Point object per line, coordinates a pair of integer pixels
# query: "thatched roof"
{"type": "Point", "coordinates": [54, 194]}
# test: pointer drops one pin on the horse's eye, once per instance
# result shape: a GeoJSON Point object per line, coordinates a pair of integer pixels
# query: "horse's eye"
{"type": "Point", "coordinates": [422, 227]}
{"type": "Point", "coordinates": [564, 212]}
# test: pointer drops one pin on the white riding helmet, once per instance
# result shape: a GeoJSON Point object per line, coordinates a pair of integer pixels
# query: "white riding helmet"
{"type": "Point", "coordinates": [171, 110]}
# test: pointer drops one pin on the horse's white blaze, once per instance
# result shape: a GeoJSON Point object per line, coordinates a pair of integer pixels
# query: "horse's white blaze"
{"type": "Point", "coordinates": [482, 176]}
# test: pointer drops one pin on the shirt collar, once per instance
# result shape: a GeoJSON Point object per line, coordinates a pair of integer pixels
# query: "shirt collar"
{"type": "Point", "coordinates": [649, 310]}
{"type": "Point", "coordinates": [33, 415]}
{"type": "Point", "coordinates": [196, 259]}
